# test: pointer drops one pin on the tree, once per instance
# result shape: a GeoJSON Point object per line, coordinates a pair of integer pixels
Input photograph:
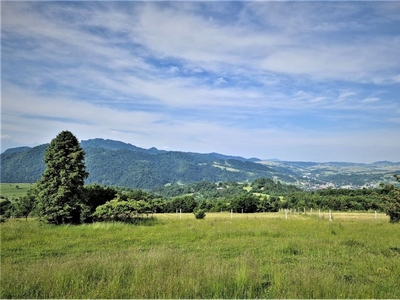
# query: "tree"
{"type": "Point", "coordinates": [392, 201]}
{"type": "Point", "coordinates": [96, 195]}
{"type": "Point", "coordinates": [186, 203]}
{"type": "Point", "coordinates": [61, 193]}
{"type": "Point", "coordinates": [246, 203]}
{"type": "Point", "coordinates": [158, 205]}
{"type": "Point", "coordinates": [5, 208]}
{"type": "Point", "coordinates": [268, 204]}
{"type": "Point", "coordinates": [26, 204]}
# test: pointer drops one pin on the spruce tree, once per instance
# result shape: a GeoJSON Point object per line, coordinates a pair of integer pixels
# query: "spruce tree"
{"type": "Point", "coordinates": [61, 193]}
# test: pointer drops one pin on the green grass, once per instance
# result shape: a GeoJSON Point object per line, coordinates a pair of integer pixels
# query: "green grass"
{"type": "Point", "coordinates": [14, 190]}
{"type": "Point", "coordinates": [249, 256]}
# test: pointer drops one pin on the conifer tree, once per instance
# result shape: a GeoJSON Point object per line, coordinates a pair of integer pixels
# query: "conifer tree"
{"type": "Point", "coordinates": [61, 193]}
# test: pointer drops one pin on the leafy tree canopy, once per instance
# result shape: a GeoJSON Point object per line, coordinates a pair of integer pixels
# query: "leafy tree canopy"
{"type": "Point", "coordinates": [61, 194]}
{"type": "Point", "coordinates": [392, 201]}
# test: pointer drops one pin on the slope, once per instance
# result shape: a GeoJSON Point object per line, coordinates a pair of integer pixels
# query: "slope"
{"type": "Point", "coordinates": [116, 163]}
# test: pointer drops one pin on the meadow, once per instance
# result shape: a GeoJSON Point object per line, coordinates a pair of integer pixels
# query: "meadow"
{"type": "Point", "coordinates": [14, 190]}
{"type": "Point", "coordinates": [177, 256]}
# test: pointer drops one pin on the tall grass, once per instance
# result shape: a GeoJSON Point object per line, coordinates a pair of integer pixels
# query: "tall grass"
{"type": "Point", "coordinates": [249, 256]}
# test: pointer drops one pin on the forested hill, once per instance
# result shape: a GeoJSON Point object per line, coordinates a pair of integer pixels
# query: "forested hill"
{"type": "Point", "coordinates": [119, 164]}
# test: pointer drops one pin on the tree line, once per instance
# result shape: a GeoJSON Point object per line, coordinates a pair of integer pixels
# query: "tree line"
{"type": "Point", "coordinates": [61, 197]}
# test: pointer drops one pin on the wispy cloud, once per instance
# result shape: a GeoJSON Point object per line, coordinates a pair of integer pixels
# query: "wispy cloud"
{"type": "Point", "coordinates": [204, 76]}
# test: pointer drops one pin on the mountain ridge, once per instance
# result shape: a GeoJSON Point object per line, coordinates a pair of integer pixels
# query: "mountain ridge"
{"type": "Point", "coordinates": [111, 162]}
{"type": "Point", "coordinates": [107, 144]}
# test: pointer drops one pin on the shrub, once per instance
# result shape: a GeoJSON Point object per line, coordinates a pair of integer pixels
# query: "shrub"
{"type": "Point", "coordinates": [200, 214]}
{"type": "Point", "coordinates": [121, 211]}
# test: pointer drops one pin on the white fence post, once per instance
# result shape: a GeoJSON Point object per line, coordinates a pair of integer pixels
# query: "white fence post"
{"type": "Point", "coordinates": [231, 213]}
{"type": "Point", "coordinates": [319, 213]}
{"type": "Point", "coordinates": [180, 213]}
{"type": "Point", "coordinates": [376, 215]}
{"type": "Point", "coordinates": [286, 213]}
{"type": "Point", "coordinates": [330, 215]}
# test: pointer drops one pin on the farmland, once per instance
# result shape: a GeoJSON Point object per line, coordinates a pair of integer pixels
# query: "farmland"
{"type": "Point", "coordinates": [259, 255]}
{"type": "Point", "coordinates": [14, 190]}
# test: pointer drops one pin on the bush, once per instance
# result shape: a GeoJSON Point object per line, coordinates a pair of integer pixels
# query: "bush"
{"type": "Point", "coordinates": [121, 211]}
{"type": "Point", "coordinates": [200, 214]}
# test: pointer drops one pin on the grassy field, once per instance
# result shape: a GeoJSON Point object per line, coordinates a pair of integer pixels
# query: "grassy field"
{"type": "Point", "coordinates": [14, 190]}
{"type": "Point", "coordinates": [248, 256]}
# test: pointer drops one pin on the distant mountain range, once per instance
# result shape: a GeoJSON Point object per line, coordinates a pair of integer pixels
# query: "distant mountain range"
{"type": "Point", "coordinates": [120, 164]}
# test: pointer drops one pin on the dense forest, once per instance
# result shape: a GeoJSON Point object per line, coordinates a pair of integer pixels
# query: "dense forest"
{"type": "Point", "coordinates": [114, 163]}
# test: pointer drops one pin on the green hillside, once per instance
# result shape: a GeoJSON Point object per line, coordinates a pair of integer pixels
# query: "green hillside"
{"type": "Point", "coordinates": [120, 164]}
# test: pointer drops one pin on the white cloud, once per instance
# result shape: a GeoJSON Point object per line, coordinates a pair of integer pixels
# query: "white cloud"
{"type": "Point", "coordinates": [173, 70]}
{"type": "Point", "coordinates": [370, 100]}
{"type": "Point", "coordinates": [396, 78]}
{"type": "Point", "coordinates": [345, 95]}
{"type": "Point", "coordinates": [357, 62]}
{"type": "Point", "coordinates": [219, 81]}
{"type": "Point", "coordinates": [50, 115]}
{"type": "Point", "coordinates": [394, 120]}
{"type": "Point", "coordinates": [197, 70]}
{"type": "Point", "coordinates": [5, 137]}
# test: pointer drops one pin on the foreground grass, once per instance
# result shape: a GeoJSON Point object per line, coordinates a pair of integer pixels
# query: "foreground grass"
{"type": "Point", "coordinates": [249, 256]}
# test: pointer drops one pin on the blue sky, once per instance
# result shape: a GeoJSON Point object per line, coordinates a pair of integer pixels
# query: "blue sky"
{"type": "Point", "coordinates": [308, 81]}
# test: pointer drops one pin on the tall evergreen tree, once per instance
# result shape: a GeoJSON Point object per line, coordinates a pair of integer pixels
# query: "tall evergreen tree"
{"type": "Point", "coordinates": [61, 193]}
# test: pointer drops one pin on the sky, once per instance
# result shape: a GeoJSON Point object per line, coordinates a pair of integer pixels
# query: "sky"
{"type": "Point", "coordinates": [299, 81]}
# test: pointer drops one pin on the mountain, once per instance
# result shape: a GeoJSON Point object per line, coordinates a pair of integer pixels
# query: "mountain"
{"type": "Point", "coordinates": [110, 145]}
{"type": "Point", "coordinates": [120, 164]}
{"type": "Point", "coordinates": [116, 163]}
{"type": "Point", "coordinates": [19, 165]}
{"type": "Point", "coordinates": [16, 150]}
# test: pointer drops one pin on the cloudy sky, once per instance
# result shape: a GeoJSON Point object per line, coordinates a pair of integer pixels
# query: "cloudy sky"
{"type": "Point", "coordinates": [309, 81]}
